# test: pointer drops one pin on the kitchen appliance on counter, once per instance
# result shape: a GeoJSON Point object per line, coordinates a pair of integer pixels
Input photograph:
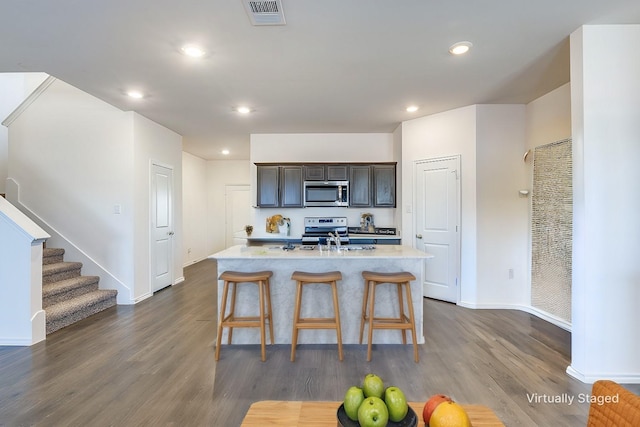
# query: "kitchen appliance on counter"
{"type": "Point", "coordinates": [317, 229]}
{"type": "Point", "coordinates": [326, 193]}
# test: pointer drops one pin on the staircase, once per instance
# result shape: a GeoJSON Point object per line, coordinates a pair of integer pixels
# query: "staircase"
{"type": "Point", "coordinates": [67, 296]}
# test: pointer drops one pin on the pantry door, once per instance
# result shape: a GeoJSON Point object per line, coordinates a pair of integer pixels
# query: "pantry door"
{"type": "Point", "coordinates": [161, 227]}
{"type": "Point", "coordinates": [437, 216]}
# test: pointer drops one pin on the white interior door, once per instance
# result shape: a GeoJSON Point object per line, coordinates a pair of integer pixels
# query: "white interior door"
{"type": "Point", "coordinates": [437, 184]}
{"type": "Point", "coordinates": [161, 227]}
{"type": "Point", "coordinates": [237, 213]}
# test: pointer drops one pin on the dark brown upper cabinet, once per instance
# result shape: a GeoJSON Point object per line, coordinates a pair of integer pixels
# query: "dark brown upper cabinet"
{"type": "Point", "coordinates": [326, 172]}
{"type": "Point", "coordinates": [360, 186]}
{"type": "Point", "coordinates": [279, 186]}
{"type": "Point", "coordinates": [384, 186]}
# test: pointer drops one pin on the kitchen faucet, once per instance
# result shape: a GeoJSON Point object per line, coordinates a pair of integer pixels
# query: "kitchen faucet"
{"type": "Point", "coordinates": [336, 240]}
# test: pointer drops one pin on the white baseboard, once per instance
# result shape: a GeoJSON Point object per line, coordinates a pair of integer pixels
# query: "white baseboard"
{"type": "Point", "coordinates": [591, 378]}
{"type": "Point", "coordinates": [561, 323]}
{"type": "Point", "coordinates": [38, 333]}
{"type": "Point", "coordinates": [194, 261]}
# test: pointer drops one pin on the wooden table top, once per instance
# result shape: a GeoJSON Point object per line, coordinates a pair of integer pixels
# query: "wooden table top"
{"type": "Point", "coordinates": [322, 414]}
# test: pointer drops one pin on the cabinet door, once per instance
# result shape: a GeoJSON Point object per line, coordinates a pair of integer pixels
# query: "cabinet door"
{"type": "Point", "coordinates": [360, 186]}
{"type": "Point", "coordinates": [267, 188]}
{"type": "Point", "coordinates": [384, 185]}
{"type": "Point", "coordinates": [291, 187]}
{"type": "Point", "coordinates": [314, 173]}
{"type": "Point", "coordinates": [337, 172]}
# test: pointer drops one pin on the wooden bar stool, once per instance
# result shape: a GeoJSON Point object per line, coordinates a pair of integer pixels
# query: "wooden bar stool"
{"type": "Point", "coordinates": [234, 278]}
{"type": "Point", "coordinates": [303, 278]}
{"type": "Point", "coordinates": [401, 279]}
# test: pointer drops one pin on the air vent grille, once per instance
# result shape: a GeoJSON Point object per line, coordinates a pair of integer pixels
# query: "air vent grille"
{"type": "Point", "coordinates": [265, 12]}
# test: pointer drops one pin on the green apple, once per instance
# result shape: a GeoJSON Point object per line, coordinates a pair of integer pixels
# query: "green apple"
{"type": "Point", "coordinates": [396, 403]}
{"type": "Point", "coordinates": [373, 412]}
{"type": "Point", "coordinates": [352, 400]}
{"type": "Point", "coordinates": [373, 386]}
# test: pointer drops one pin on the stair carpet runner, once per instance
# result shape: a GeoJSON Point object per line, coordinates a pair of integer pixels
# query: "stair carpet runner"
{"type": "Point", "coordinates": [67, 296]}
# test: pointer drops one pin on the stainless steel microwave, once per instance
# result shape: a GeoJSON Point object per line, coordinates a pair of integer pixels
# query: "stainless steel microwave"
{"type": "Point", "coordinates": [326, 193]}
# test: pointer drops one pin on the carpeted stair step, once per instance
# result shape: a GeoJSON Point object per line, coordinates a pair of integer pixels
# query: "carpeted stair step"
{"type": "Point", "coordinates": [75, 309]}
{"type": "Point", "coordinates": [52, 255]}
{"type": "Point", "coordinates": [53, 293]}
{"type": "Point", "coordinates": [60, 271]}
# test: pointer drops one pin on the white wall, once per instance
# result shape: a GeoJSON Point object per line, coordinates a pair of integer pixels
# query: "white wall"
{"type": "Point", "coordinates": [606, 274]}
{"type": "Point", "coordinates": [74, 158]}
{"type": "Point", "coordinates": [71, 155]}
{"type": "Point", "coordinates": [441, 135]}
{"type": "Point", "coordinates": [331, 147]}
{"type": "Point", "coordinates": [502, 214]}
{"type": "Point", "coordinates": [490, 140]}
{"type": "Point", "coordinates": [154, 144]}
{"type": "Point", "coordinates": [221, 173]}
{"type": "Point", "coordinates": [195, 205]}
{"type": "Point", "coordinates": [14, 88]}
{"type": "Point", "coordinates": [549, 118]}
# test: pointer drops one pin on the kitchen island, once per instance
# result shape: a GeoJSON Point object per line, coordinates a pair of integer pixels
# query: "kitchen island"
{"type": "Point", "coordinates": [350, 261]}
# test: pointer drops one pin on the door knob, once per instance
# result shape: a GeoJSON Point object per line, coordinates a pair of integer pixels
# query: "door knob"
{"type": "Point", "coordinates": [418, 236]}
{"type": "Point", "coordinates": [170, 233]}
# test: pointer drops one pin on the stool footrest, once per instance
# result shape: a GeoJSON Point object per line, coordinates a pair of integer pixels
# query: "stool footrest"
{"type": "Point", "coordinates": [243, 321]}
{"type": "Point", "coordinates": [316, 323]}
{"type": "Point", "coordinates": [391, 320]}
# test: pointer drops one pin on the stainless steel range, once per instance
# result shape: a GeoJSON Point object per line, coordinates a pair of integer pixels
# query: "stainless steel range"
{"type": "Point", "coordinates": [317, 229]}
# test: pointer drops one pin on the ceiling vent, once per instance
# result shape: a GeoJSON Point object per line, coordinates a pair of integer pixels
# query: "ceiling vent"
{"type": "Point", "coordinates": [265, 12]}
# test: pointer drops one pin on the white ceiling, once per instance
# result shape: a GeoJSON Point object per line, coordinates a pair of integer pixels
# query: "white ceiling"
{"type": "Point", "coordinates": [336, 66]}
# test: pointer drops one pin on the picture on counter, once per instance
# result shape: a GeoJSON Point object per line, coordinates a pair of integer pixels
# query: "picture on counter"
{"type": "Point", "coordinates": [366, 223]}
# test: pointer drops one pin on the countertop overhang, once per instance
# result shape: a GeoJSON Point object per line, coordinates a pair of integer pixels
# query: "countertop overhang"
{"type": "Point", "coordinates": [347, 252]}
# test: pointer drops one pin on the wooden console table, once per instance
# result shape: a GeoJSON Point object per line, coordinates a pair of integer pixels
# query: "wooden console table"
{"type": "Point", "coordinates": [322, 414]}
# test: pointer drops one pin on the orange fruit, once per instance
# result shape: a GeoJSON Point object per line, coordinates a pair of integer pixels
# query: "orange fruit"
{"type": "Point", "coordinates": [449, 414]}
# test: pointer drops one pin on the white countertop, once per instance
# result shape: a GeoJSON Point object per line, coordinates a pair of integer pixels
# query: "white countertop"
{"type": "Point", "coordinates": [276, 252]}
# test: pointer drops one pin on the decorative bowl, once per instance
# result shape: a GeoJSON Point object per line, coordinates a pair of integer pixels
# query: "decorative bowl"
{"type": "Point", "coordinates": [411, 420]}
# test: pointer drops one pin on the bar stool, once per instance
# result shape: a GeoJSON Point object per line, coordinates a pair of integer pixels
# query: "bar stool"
{"type": "Point", "coordinates": [328, 278]}
{"type": "Point", "coordinates": [401, 279]}
{"type": "Point", "coordinates": [234, 278]}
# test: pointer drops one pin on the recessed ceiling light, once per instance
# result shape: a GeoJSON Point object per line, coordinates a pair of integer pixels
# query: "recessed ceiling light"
{"type": "Point", "coordinates": [412, 109]}
{"type": "Point", "coordinates": [193, 51]}
{"type": "Point", "coordinates": [243, 110]}
{"type": "Point", "coordinates": [225, 152]}
{"type": "Point", "coordinates": [460, 48]}
{"type": "Point", "coordinates": [135, 94]}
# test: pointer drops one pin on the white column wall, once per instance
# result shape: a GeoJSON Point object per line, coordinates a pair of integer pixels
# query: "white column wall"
{"type": "Point", "coordinates": [606, 273]}
{"type": "Point", "coordinates": [22, 320]}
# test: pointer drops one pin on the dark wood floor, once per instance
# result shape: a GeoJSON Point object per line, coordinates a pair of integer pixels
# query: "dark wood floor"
{"type": "Point", "coordinates": [152, 364]}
